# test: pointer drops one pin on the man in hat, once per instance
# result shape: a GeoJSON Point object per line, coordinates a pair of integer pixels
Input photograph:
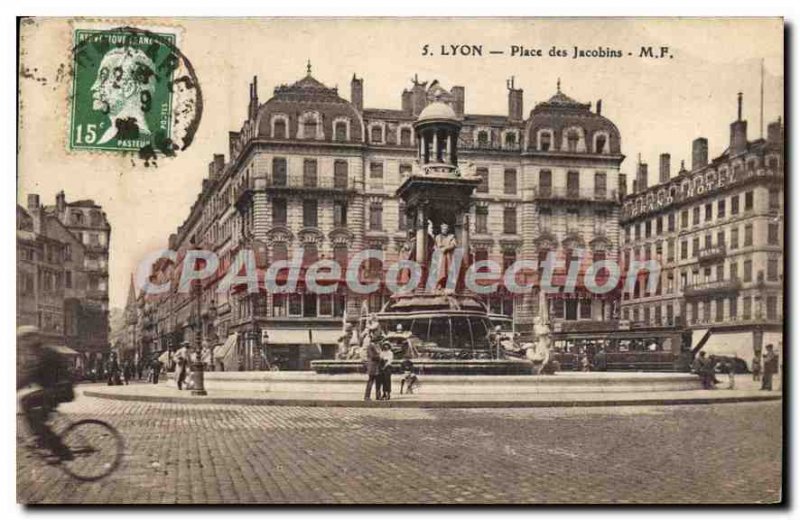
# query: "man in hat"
{"type": "Point", "coordinates": [770, 367]}
{"type": "Point", "coordinates": [370, 346]}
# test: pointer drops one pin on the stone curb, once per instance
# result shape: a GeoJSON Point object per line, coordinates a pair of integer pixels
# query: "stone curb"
{"type": "Point", "coordinates": [476, 403]}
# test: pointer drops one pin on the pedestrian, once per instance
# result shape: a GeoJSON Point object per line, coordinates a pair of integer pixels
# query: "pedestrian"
{"type": "Point", "coordinates": [113, 370]}
{"type": "Point", "coordinates": [770, 367]}
{"type": "Point", "coordinates": [731, 366]}
{"type": "Point", "coordinates": [700, 367]}
{"type": "Point", "coordinates": [757, 366]}
{"type": "Point", "coordinates": [387, 357]}
{"type": "Point", "coordinates": [410, 381]}
{"type": "Point", "coordinates": [601, 360]}
{"type": "Point", "coordinates": [126, 371]}
{"type": "Point", "coordinates": [370, 346]}
{"type": "Point", "coordinates": [586, 366]}
{"type": "Point", "coordinates": [155, 369]}
{"type": "Point", "coordinates": [182, 365]}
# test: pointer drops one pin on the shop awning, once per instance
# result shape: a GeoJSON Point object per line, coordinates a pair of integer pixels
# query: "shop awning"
{"type": "Point", "coordinates": [727, 343]}
{"type": "Point", "coordinates": [222, 351]}
{"type": "Point", "coordinates": [289, 336]}
{"type": "Point", "coordinates": [65, 350]}
{"type": "Point", "coordinates": [329, 336]}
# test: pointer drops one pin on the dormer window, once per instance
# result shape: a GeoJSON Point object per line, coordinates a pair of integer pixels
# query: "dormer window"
{"type": "Point", "coordinates": [340, 131]}
{"type": "Point", "coordinates": [483, 138]}
{"type": "Point", "coordinates": [511, 139]}
{"type": "Point", "coordinates": [572, 140]}
{"type": "Point", "coordinates": [545, 141]}
{"type": "Point", "coordinates": [310, 128]}
{"type": "Point", "coordinates": [600, 142]}
{"type": "Point", "coordinates": [280, 129]}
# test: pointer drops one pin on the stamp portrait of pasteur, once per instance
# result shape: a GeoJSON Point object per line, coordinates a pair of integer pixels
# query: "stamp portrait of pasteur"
{"type": "Point", "coordinates": [123, 91]}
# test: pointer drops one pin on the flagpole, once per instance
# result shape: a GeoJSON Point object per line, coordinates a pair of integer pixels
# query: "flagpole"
{"type": "Point", "coordinates": [761, 120]}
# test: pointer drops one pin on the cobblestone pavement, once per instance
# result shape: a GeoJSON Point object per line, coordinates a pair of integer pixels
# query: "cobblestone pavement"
{"type": "Point", "coordinates": [252, 454]}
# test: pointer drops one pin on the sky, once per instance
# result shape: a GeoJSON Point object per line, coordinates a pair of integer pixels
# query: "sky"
{"type": "Point", "coordinates": [659, 105]}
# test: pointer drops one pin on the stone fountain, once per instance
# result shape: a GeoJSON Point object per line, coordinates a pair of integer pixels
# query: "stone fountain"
{"type": "Point", "coordinates": [436, 323]}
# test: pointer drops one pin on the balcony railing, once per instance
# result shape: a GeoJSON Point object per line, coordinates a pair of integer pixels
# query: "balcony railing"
{"type": "Point", "coordinates": [570, 193]}
{"type": "Point", "coordinates": [311, 182]}
{"type": "Point", "coordinates": [715, 287]}
{"type": "Point", "coordinates": [711, 254]}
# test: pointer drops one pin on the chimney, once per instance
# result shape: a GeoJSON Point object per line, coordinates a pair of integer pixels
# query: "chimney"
{"type": "Point", "coordinates": [738, 131]}
{"type": "Point", "coordinates": [408, 102]}
{"type": "Point", "coordinates": [458, 100]}
{"type": "Point", "coordinates": [623, 185]}
{"type": "Point", "coordinates": [514, 101]}
{"type": "Point", "coordinates": [599, 107]}
{"type": "Point", "coordinates": [216, 166]}
{"type": "Point", "coordinates": [775, 132]}
{"type": "Point", "coordinates": [641, 177]}
{"type": "Point", "coordinates": [699, 153]}
{"type": "Point", "coordinates": [61, 202]}
{"type": "Point", "coordinates": [33, 202]}
{"type": "Point", "coordinates": [357, 92]}
{"type": "Point", "coordinates": [252, 110]}
{"type": "Point", "coordinates": [663, 168]}
{"type": "Point", "coordinates": [233, 137]}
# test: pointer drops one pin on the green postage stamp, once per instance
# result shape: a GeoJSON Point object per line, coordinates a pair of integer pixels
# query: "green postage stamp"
{"type": "Point", "coordinates": [125, 81]}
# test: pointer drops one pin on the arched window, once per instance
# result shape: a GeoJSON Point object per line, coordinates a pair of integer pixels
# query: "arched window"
{"type": "Point", "coordinates": [310, 254]}
{"type": "Point", "coordinates": [572, 140]}
{"type": "Point", "coordinates": [279, 131]}
{"type": "Point", "coordinates": [600, 142]}
{"type": "Point", "coordinates": [340, 131]}
{"type": "Point", "coordinates": [279, 252]}
{"type": "Point", "coordinates": [310, 128]}
{"type": "Point", "coordinates": [545, 140]}
{"type": "Point", "coordinates": [405, 137]}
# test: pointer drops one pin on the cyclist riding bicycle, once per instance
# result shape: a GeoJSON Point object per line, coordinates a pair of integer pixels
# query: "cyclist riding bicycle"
{"type": "Point", "coordinates": [42, 384]}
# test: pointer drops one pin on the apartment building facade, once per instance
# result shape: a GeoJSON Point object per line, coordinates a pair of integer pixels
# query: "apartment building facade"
{"type": "Point", "coordinates": [717, 232]}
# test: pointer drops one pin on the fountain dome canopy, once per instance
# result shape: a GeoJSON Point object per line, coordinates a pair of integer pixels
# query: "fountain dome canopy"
{"type": "Point", "coordinates": [437, 111]}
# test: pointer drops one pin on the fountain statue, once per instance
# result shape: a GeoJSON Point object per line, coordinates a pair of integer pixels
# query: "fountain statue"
{"type": "Point", "coordinates": [539, 352]}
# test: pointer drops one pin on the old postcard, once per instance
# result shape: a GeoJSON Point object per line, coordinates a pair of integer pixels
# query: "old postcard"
{"type": "Point", "coordinates": [400, 261]}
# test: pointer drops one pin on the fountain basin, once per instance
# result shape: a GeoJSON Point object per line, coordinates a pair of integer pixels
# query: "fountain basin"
{"type": "Point", "coordinates": [352, 384]}
{"type": "Point", "coordinates": [506, 367]}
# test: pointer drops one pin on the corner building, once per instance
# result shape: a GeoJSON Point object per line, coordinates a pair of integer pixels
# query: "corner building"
{"type": "Point", "coordinates": [717, 233]}
{"type": "Point", "coordinates": [309, 168]}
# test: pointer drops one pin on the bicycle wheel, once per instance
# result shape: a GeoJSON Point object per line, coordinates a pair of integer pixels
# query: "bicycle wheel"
{"type": "Point", "coordinates": [96, 447]}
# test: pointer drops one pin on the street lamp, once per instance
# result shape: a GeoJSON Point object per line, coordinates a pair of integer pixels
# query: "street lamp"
{"type": "Point", "coordinates": [212, 332]}
{"type": "Point", "coordinates": [198, 367]}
